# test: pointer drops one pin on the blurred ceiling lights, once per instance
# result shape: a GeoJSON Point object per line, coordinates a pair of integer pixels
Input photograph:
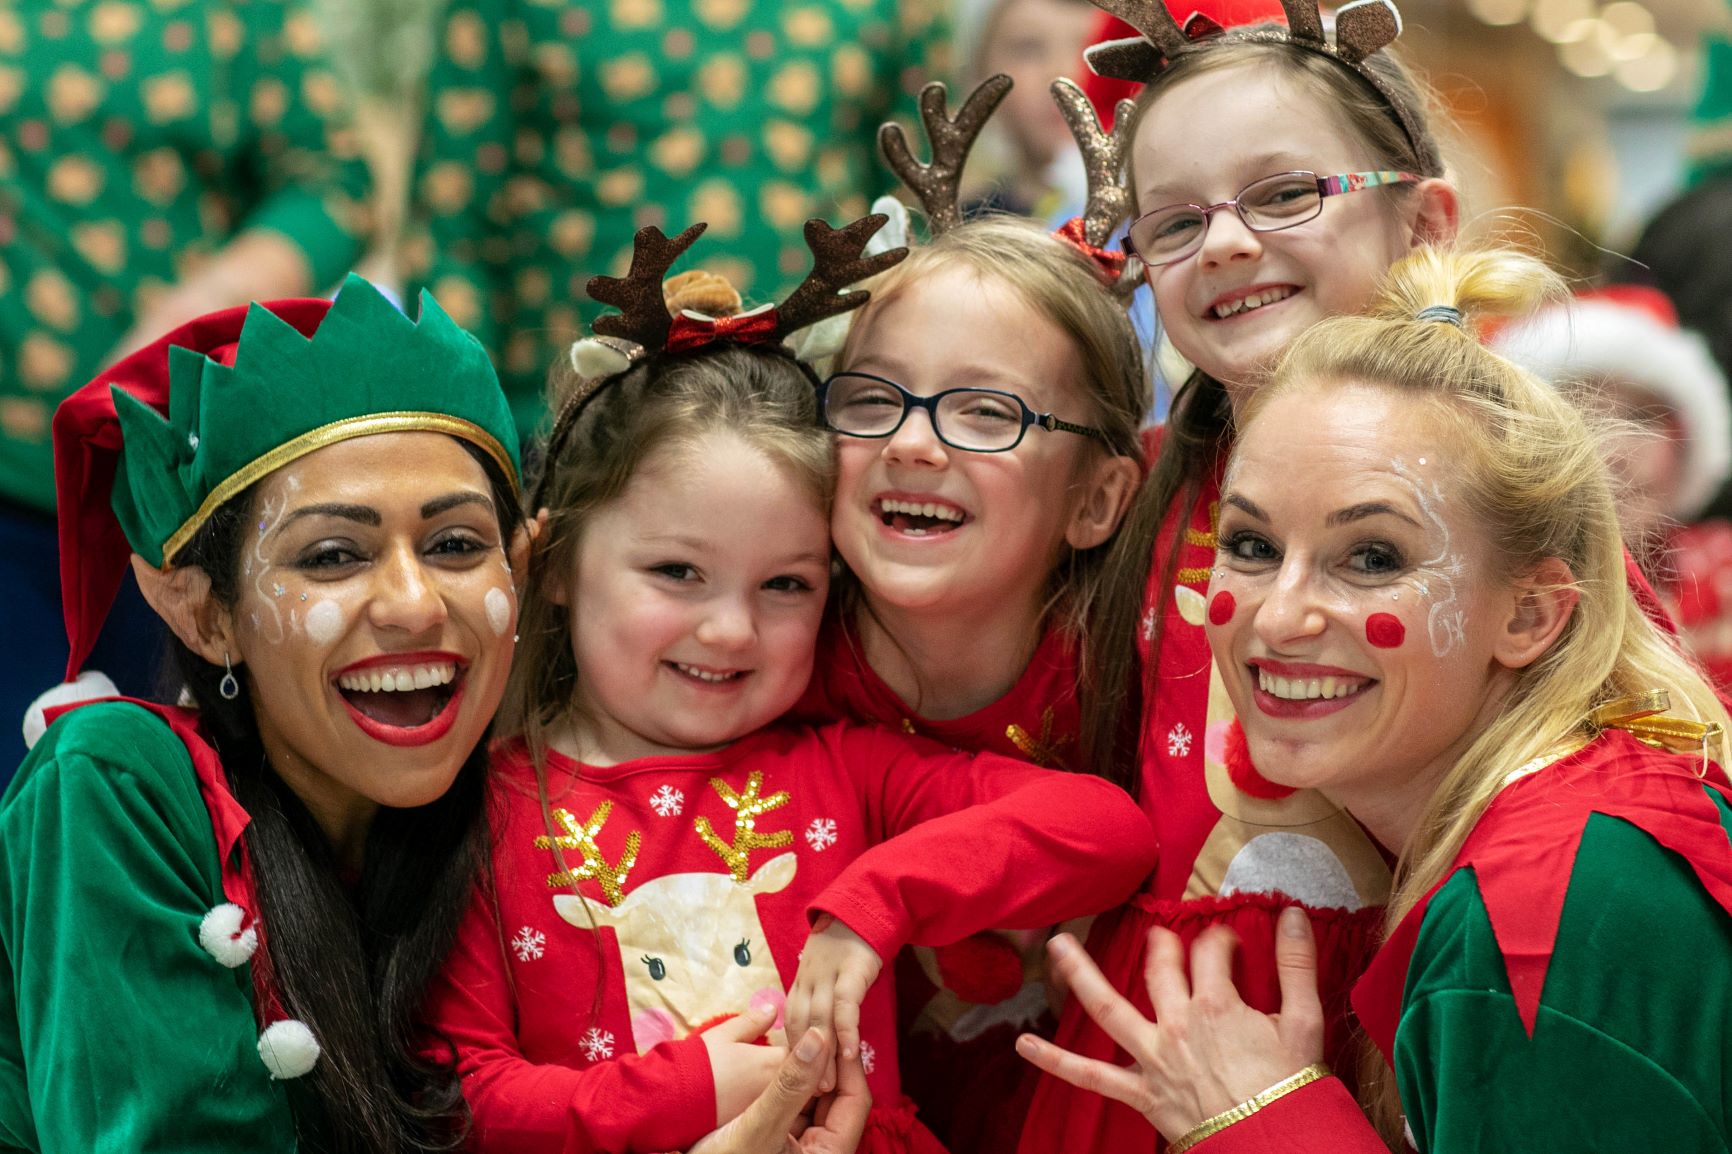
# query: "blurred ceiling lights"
{"type": "Point", "coordinates": [1616, 40]}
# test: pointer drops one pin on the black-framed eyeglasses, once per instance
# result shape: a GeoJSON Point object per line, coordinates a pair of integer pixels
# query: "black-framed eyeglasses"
{"type": "Point", "coordinates": [1175, 231]}
{"type": "Point", "coordinates": [973, 420]}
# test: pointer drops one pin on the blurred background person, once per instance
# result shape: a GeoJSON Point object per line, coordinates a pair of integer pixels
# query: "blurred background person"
{"type": "Point", "coordinates": [1026, 161]}
{"type": "Point", "coordinates": [554, 131]}
{"type": "Point", "coordinates": [157, 161]}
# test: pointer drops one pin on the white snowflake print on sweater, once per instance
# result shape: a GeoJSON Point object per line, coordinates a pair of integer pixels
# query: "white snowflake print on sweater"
{"type": "Point", "coordinates": [667, 801]}
{"type": "Point", "coordinates": [529, 944]}
{"type": "Point", "coordinates": [597, 1045]}
{"type": "Point", "coordinates": [821, 834]}
{"type": "Point", "coordinates": [1178, 741]}
{"type": "Point", "coordinates": [868, 1057]}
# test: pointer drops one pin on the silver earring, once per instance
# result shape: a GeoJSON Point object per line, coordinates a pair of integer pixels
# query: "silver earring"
{"type": "Point", "coordinates": [228, 687]}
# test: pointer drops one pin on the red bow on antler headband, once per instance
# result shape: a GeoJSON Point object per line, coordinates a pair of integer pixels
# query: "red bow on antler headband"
{"type": "Point", "coordinates": [690, 330]}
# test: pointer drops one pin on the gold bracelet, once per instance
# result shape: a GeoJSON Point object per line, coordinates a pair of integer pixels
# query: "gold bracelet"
{"type": "Point", "coordinates": [1212, 1126]}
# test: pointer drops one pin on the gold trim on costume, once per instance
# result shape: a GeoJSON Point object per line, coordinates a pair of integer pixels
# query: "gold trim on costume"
{"type": "Point", "coordinates": [1209, 1127]}
{"type": "Point", "coordinates": [1642, 716]}
{"type": "Point", "coordinates": [346, 429]}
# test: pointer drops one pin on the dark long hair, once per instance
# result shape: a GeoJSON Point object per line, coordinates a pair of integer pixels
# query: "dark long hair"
{"type": "Point", "coordinates": [353, 964]}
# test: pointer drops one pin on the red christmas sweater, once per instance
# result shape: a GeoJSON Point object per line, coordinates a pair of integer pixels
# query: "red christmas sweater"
{"type": "Point", "coordinates": [1504, 999]}
{"type": "Point", "coordinates": [574, 1019]}
{"type": "Point", "coordinates": [962, 1007]}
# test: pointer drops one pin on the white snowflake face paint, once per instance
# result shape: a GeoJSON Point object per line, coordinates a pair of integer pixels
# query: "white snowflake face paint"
{"type": "Point", "coordinates": [324, 622]}
{"type": "Point", "coordinates": [1445, 620]}
{"type": "Point", "coordinates": [1339, 554]}
{"type": "Point", "coordinates": [369, 646]}
{"type": "Point", "coordinates": [498, 603]}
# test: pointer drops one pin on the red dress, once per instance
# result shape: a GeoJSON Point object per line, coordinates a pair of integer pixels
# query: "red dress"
{"type": "Point", "coordinates": [1235, 849]}
{"type": "Point", "coordinates": [961, 1007]}
{"type": "Point", "coordinates": [575, 1021]}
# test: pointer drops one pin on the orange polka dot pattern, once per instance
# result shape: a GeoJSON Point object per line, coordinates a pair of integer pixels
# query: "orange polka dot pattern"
{"type": "Point", "coordinates": [136, 138]}
{"type": "Point", "coordinates": [557, 130]}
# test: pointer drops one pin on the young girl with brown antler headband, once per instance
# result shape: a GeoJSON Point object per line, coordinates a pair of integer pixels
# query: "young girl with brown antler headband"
{"type": "Point", "coordinates": [973, 533]}
{"type": "Point", "coordinates": [675, 872]}
{"type": "Point", "coordinates": [1275, 173]}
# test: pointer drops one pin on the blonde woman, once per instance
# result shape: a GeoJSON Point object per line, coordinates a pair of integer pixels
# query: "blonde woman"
{"type": "Point", "coordinates": [1419, 608]}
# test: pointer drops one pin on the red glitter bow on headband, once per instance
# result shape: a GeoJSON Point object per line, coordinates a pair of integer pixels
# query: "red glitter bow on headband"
{"type": "Point", "coordinates": [690, 330]}
{"type": "Point", "coordinates": [1110, 262]}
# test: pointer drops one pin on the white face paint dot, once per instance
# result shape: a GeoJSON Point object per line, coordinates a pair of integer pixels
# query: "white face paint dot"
{"type": "Point", "coordinates": [324, 622]}
{"type": "Point", "coordinates": [498, 604]}
{"type": "Point", "coordinates": [1422, 460]}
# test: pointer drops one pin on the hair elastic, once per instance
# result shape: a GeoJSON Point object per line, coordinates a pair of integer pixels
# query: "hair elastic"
{"type": "Point", "coordinates": [1448, 314]}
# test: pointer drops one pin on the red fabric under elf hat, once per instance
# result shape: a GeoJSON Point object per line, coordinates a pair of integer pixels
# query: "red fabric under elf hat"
{"type": "Point", "coordinates": [146, 452]}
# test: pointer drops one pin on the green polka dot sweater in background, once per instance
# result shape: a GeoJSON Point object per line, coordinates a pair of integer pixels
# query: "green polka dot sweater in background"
{"type": "Point", "coordinates": [556, 130]}
{"type": "Point", "coordinates": [136, 138]}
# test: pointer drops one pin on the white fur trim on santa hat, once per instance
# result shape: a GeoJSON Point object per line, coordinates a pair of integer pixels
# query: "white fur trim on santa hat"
{"type": "Point", "coordinates": [90, 686]}
{"type": "Point", "coordinates": [1596, 338]}
{"type": "Point", "coordinates": [288, 1048]}
{"type": "Point", "coordinates": [221, 935]}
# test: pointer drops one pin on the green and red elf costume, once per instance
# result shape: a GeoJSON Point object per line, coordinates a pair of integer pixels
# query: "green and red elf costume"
{"type": "Point", "coordinates": [137, 1010]}
{"type": "Point", "coordinates": [1565, 987]}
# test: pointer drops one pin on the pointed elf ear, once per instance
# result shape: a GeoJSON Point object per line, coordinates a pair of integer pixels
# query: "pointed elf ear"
{"type": "Point", "coordinates": [182, 598]}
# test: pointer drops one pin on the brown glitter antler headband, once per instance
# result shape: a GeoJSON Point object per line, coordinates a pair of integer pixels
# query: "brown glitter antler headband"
{"type": "Point", "coordinates": [1362, 29]}
{"type": "Point", "coordinates": [652, 321]}
{"type": "Point", "coordinates": [1109, 201]}
{"type": "Point", "coordinates": [938, 184]}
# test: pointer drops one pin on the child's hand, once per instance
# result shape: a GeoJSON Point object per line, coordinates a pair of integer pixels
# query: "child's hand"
{"type": "Point", "coordinates": [741, 1068]}
{"type": "Point", "coordinates": [837, 967]}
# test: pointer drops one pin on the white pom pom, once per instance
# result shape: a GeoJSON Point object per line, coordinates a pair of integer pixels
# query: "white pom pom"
{"type": "Point", "coordinates": [593, 359]}
{"type": "Point", "coordinates": [90, 686]}
{"type": "Point", "coordinates": [222, 937]}
{"type": "Point", "coordinates": [288, 1048]}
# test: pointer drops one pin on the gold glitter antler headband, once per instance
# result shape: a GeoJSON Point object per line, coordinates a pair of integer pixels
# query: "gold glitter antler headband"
{"type": "Point", "coordinates": [836, 263]}
{"type": "Point", "coordinates": [938, 184]}
{"type": "Point", "coordinates": [643, 317]}
{"type": "Point", "coordinates": [1109, 200]}
{"type": "Point", "coordinates": [1362, 29]}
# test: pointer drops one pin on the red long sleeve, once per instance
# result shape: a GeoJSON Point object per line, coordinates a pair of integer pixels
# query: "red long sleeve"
{"type": "Point", "coordinates": [662, 1100]}
{"type": "Point", "coordinates": [1314, 1119]}
{"type": "Point", "coordinates": [986, 842]}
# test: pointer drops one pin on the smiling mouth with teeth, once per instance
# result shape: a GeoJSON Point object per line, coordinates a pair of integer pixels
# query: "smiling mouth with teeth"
{"type": "Point", "coordinates": [1308, 688]}
{"type": "Point", "coordinates": [919, 518]}
{"type": "Point", "coordinates": [401, 696]}
{"type": "Point", "coordinates": [707, 676]}
{"type": "Point", "coordinates": [1250, 301]}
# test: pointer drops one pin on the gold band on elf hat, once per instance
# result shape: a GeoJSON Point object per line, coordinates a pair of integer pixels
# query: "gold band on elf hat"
{"type": "Point", "coordinates": [146, 452]}
{"type": "Point", "coordinates": [1362, 29]}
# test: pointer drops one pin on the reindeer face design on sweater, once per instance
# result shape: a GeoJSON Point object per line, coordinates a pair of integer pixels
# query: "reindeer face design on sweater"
{"type": "Point", "coordinates": [691, 945]}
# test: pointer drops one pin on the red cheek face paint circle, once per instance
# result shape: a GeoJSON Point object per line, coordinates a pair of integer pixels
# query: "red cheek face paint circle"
{"type": "Point", "coordinates": [1221, 608]}
{"type": "Point", "coordinates": [1385, 630]}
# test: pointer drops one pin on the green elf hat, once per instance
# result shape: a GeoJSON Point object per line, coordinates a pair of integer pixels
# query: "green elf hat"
{"type": "Point", "coordinates": [145, 453]}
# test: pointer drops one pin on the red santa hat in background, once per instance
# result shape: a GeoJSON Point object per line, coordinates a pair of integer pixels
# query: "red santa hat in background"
{"type": "Point", "coordinates": [1631, 333]}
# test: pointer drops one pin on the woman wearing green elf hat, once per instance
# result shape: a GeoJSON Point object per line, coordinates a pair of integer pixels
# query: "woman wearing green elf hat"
{"type": "Point", "coordinates": [216, 921]}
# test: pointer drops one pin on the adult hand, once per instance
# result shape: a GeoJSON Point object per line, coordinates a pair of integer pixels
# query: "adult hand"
{"type": "Point", "coordinates": [740, 1068]}
{"type": "Point", "coordinates": [774, 1123]}
{"type": "Point", "coordinates": [1209, 1050]}
{"type": "Point", "coordinates": [837, 967]}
